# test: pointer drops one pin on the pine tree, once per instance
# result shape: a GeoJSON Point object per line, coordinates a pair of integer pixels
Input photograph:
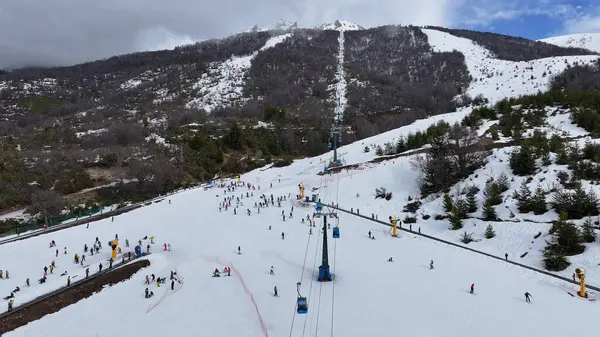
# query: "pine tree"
{"type": "Point", "coordinates": [489, 232]}
{"type": "Point", "coordinates": [492, 193]}
{"type": "Point", "coordinates": [448, 204]}
{"type": "Point", "coordinates": [463, 208]}
{"type": "Point", "coordinates": [568, 238]}
{"type": "Point", "coordinates": [523, 197]}
{"type": "Point", "coordinates": [502, 182]}
{"type": "Point", "coordinates": [522, 161]}
{"type": "Point", "coordinates": [379, 151]}
{"type": "Point", "coordinates": [472, 202]}
{"type": "Point", "coordinates": [538, 202]}
{"type": "Point", "coordinates": [588, 234]}
{"type": "Point", "coordinates": [366, 149]}
{"type": "Point", "coordinates": [489, 212]}
{"type": "Point", "coordinates": [554, 259]}
{"type": "Point", "coordinates": [455, 221]}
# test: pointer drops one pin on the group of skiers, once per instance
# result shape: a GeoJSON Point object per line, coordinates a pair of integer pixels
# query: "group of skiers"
{"type": "Point", "coordinates": [77, 259]}
{"type": "Point", "coordinates": [159, 280]}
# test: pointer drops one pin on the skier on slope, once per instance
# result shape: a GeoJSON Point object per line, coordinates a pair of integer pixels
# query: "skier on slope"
{"type": "Point", "coordinates": [527, 297]}
{"type": "Point", "coordinates": [431, 265]}
{"type": "Point", "coordinates": [272, 271]}
{"type": "Point", "coordinates": [472, 288]}
{"type": "Point", "coordinates": [275, 291]}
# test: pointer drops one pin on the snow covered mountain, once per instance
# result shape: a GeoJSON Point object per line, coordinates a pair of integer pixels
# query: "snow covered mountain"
{"type": "Point", "coordinates": [341, 25]}
{"type": "Point", "coordinates": [378, 79]}
{"type": "Point", "coordinates": [426, 280]}
{"type": "Point", "coordinates": [589, 41]}
{"type": "Point", "coordinates": [279, 25]}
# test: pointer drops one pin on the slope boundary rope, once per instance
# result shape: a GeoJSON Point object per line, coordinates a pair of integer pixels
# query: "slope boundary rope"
{"type": "Point", "coordinates": [168, 292]}
{"type": "Point", "coordinates": [236, 272]}
{"type": "Point", "coordinates": [547, 273]}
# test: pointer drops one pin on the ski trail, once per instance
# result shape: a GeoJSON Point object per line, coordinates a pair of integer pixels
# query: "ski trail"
{"type": "Point", "coordinates": [340, 86]}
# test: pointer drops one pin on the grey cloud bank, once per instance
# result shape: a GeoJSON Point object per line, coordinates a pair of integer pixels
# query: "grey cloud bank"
{"type": "Point", "coordinates": [65, 32]}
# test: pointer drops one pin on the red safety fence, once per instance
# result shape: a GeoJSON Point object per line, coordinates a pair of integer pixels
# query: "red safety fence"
{"type": "Point", "coordinates": [236, 272]}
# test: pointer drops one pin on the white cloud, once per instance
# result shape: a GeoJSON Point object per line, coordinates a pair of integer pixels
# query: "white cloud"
{"type": "Point", "coordinates": [586, 22]}
{"type": "Point", "coordinates": [159, 38]}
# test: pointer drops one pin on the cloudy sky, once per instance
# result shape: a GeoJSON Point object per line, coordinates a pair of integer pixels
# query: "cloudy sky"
{"type": "Point", "coordinates": [62, 32]}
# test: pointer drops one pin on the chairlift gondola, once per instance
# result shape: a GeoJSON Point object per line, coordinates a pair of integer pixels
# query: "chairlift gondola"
{"type": "Point", "coordinates": [302, 305]}
{"type": "Point", "coordinates": [336, 232]}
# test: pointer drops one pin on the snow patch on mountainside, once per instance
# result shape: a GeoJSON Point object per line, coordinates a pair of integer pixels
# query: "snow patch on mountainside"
{"type": "Point", "coordinates": [589, 41]}
{"type": "Point", "coordinates": [340, 87]}
{"type": "Point", "coordinates": [224, 82]}
{"type": "Point", "coordinates": [497, 79]}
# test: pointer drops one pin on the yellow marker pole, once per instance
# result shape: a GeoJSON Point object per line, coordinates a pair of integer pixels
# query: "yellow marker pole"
{"type": "Point", "coordinates": [395, 224]}
{"type": "Point", "coordinates": [580, 273]}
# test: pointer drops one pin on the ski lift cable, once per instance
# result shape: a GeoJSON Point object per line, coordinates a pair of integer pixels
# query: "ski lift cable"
{"type": "Point", "coordinates": [333, 287]}
{"type": "Point", "coordinates": [302, 273]}
{"type": "Point", "coordinates": [318, 310]}
{"type": "Point", "coordinates": [301, 279]}
{"type": "Point", "coordinates": [312, 281]}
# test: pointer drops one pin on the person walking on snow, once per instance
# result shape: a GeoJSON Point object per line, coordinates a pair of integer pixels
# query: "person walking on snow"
{"type": "Point", "coordinates": [527, 297]}
{"type": "Point", "coordinates": [282, 236]}
{"type": "Point", "coordinates": [472, 288]}
{"type": "Point", "coordinates": [272, 271]}
{"type": "Point", "coordinates": [275, 291]}
{"type": "Point", "coordinates": [68, 281]}
{"type": "Point", "coordinates": [239, 250]}
{"type": "Point", "coordinates": [506, 256]}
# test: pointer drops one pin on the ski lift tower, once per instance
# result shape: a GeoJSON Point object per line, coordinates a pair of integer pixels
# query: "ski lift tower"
{"type": "Point", "coordinates": [324, 274]}
{"type": "Point", "coordinates": [335, 134]}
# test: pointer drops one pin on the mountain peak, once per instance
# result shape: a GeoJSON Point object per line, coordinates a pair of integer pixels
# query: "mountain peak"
{"type": "Point", "coordinates": [341, 25]}
{"type": "Point", "coordinates": [279, 25]}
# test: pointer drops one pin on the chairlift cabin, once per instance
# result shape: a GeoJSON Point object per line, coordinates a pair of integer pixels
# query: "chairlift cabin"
{"type": "Point", "coordinates": [302, 305]}
{"type": "Point", "coordinates": [319, 207]}
{"type": "Point", "coordinates": [336, 232]}
{"type": "Point", "coordinates": [329, 145]}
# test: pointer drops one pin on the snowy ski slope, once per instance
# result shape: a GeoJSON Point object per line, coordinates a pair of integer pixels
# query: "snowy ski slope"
{"type": "Point", "coordinates": [369, 296]}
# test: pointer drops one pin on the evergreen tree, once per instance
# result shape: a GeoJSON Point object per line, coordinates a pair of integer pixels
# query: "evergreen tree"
{"type": "Point", "coordinates": [523, 197]}
{"type": "Point", "coordinates": [463, 208]}
{"type": "Point", "coordinates": [489, 232]}
{"type": "Point", "coordinates": [448, 204]}
{"type": "Point", "coordinates": [522, 161]}
{"type": "Point", "coordinates": [502, 182]}
{"type": "Point", "coordinates": [538, 202]}
{"type": "Point", "coordinates": [568, 238]}
{"type": "Point", "coordinates": [588, 234]}
{"type": "Point", "coordinates": [379, 151]}
{"type": "Point", "coordinates": [455, 221]}
{"type": "Point", "coordinates": [366, 149]}
{"type": "Point", "coordinates": [489, 212]}
{"type": "Point", "coordinates": [472, 202]}
{"type": "Point", "coordinates": [555, 260]}
{"type": "Point", "coordinates": [492, 193]}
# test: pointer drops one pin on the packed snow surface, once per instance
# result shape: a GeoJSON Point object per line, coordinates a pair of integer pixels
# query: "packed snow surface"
{"type": "Point", "coordinates": [363, 300]}
{"type": "Point", "coordinates": [590, 41]}
{"type": "Point", "coordinates": [497, 79]}
{"type": "Point", "coordinates": [224, 82]}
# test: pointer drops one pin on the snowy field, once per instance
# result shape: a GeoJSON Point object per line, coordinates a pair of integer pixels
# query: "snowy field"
{"type": "Point", "coordinates": [368, 297]}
